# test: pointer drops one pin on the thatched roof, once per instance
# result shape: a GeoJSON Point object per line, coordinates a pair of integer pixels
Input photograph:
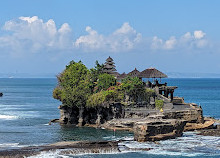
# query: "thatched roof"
{"type": "Point", "coordinates": [116, 74]}
{"type": "Point", "coordinates": [122, 76]}
{"type": "Point", "coordinates": [152, 73]}
{"type": "Point", "coordinates": [134, 73]}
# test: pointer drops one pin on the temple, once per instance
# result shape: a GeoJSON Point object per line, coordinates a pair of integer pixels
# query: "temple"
{"type": "Point", "coordinates": [145, 75]}
{"type": "Point", "coordinates": [109, 67]}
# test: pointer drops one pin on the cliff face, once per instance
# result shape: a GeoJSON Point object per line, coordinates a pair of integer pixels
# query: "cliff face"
{"type": "Point", "coordinates": [97, 115]}
{"type": "Point", "coordinates": [147, 124]}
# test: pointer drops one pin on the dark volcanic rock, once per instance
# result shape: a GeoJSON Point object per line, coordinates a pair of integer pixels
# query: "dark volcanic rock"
{"type": "Point", "coordinates": [76, 147]}
{"type": "Point", "coordinates": [96, 115]}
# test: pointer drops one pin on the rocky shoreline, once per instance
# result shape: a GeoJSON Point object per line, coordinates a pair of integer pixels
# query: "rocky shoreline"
{"type": "Point", "coordinates": [154, 125]}
{"type": "Point", "coordinates": [71, 147]}
{"type": "Point", "coordinates": [89, 147]}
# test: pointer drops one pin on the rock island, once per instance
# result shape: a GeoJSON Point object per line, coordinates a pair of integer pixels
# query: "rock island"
{"type": "Point", "coordinates": [137, 101]}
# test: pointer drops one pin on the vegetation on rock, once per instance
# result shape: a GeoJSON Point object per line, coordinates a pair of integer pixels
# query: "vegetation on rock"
{"type": "Point", "coordinates": [159, 103]}
{"type": "Point", "coordinates": [82, 90]}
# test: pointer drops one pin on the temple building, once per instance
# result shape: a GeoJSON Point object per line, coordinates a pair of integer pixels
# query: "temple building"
{"type": "Point", "coordinates": [160, 88]}
{"type": "Point", "coordinates": [109, 67]}
{"type": "Point", "coordinates": [134, 73]}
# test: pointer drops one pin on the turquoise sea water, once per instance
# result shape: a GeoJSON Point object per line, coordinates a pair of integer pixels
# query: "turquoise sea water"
{"type": "Point", "coordinates": [27, 106]}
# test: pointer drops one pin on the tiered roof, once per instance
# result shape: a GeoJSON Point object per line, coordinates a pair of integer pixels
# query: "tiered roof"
{"type": "Point", "coordinates": [109, 67]}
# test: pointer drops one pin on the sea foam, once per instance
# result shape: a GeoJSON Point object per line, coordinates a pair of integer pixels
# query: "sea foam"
{"type": "Point", "coordinates": [189, 145]}
{"type": "Point", "coordinates": [8, 117]}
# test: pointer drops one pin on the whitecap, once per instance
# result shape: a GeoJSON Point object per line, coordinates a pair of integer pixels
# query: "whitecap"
{"type": "Point", "coordinates": [8, 117]}
{"type": "Point", "coordinates": [66, 153]}
{"type": "Point", "coordinates": [188, 145]}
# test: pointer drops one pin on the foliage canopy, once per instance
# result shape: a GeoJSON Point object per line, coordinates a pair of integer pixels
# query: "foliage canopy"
{"type": "Point", "coordinates": [73, 85]}
{"type": "Point", "coordinates": [81, 87]}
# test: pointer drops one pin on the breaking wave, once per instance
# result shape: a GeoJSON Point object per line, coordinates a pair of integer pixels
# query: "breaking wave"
{"type": "Point", "coordinates": [189, 145]}
{"type": "Point", "coordinates": [8, 117]}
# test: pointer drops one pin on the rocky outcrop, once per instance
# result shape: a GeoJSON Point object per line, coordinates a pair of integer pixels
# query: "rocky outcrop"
{"type": "Point", "coordinates": [191, 113]}
{"type": "Point", "coordinates": [75, 147]}
{"type": "Point", "coordinates": [148, 124]}
{"type": "Point", "coordinates": [96, 115]}
{"type": "Point", "coordinates": [121, 124]}
{"type": "Point", "coordinates": [211, 132]}
{"type": "Point", "coordinates": [152, 125]}
{"type": "Point", "coordinates": [157, 129]}
{"type": "Point", "coordinates": [1, 94]}
{"type": "Point", "coordinates": [207, 124]}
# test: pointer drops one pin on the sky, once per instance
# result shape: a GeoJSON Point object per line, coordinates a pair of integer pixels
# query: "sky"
{"type": "Point", "coordinates": [40, 37]}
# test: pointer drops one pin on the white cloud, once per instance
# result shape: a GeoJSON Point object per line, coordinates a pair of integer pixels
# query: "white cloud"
{"type": "Point", "coordinates": [187, 41]}
{"type": "Point", "coordinates": [123, 39]}
{"type": "Point", "coordinates": [199, 34]}
{"type": "Point", "coordinates": [170, 43]}
{"type": "Point", "coordinates": [33, 34]}
{"type": "Point", "coordinates": [90, 42]}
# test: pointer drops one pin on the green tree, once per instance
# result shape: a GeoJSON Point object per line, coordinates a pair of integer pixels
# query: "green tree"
{"type": "Point", "coordinates": [105, 81]}
{"type": "Point", "coordinates": [95, 72]}
{"type": "Point", "coordinates": [134, 88]}
{"type": "Point", "coordinates": [73, 86]}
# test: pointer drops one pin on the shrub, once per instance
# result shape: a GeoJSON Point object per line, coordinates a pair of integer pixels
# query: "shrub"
{"type": "Point", "coordinates": [104, 97]}
{"type": "Point", "coordinates": [159, 104]}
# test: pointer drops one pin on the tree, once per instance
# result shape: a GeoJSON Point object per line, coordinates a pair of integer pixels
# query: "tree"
{"type": "Point", "coordinates": [105, 81]}
{"type": "Point", "coordinates": [95, 72]}
{"type": "Point", "coordinates": [134, 88]}
{"type": "Point", "coordinates": [73, 86]}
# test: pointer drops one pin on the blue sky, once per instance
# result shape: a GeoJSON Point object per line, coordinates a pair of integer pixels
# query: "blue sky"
{"type": "Point", "coordinates": [41, 36]}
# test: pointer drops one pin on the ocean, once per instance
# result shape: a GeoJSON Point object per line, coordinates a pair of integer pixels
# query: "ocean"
{"type": "Point", "coordinates": [27, 106]}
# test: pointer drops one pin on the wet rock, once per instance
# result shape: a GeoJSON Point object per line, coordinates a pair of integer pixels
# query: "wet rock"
{"type": "Point", "coordinates": [54, 121]}
{"type": "Point", "coordinates": [1, 94]}
{"type": "Point", "coordinates": [210, 132]}
{"type": "Point", "coordinates": [75, 147]}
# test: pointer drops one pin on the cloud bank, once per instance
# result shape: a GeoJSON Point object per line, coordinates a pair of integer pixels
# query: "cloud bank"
{"type": "Point", "coordinates": [187, 41]}
{"type": "Point", "coordinates": [32, 34]}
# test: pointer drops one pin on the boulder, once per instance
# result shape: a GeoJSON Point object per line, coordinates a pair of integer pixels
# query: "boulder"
{"type": "Point", "coordinates": [157, 129]}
